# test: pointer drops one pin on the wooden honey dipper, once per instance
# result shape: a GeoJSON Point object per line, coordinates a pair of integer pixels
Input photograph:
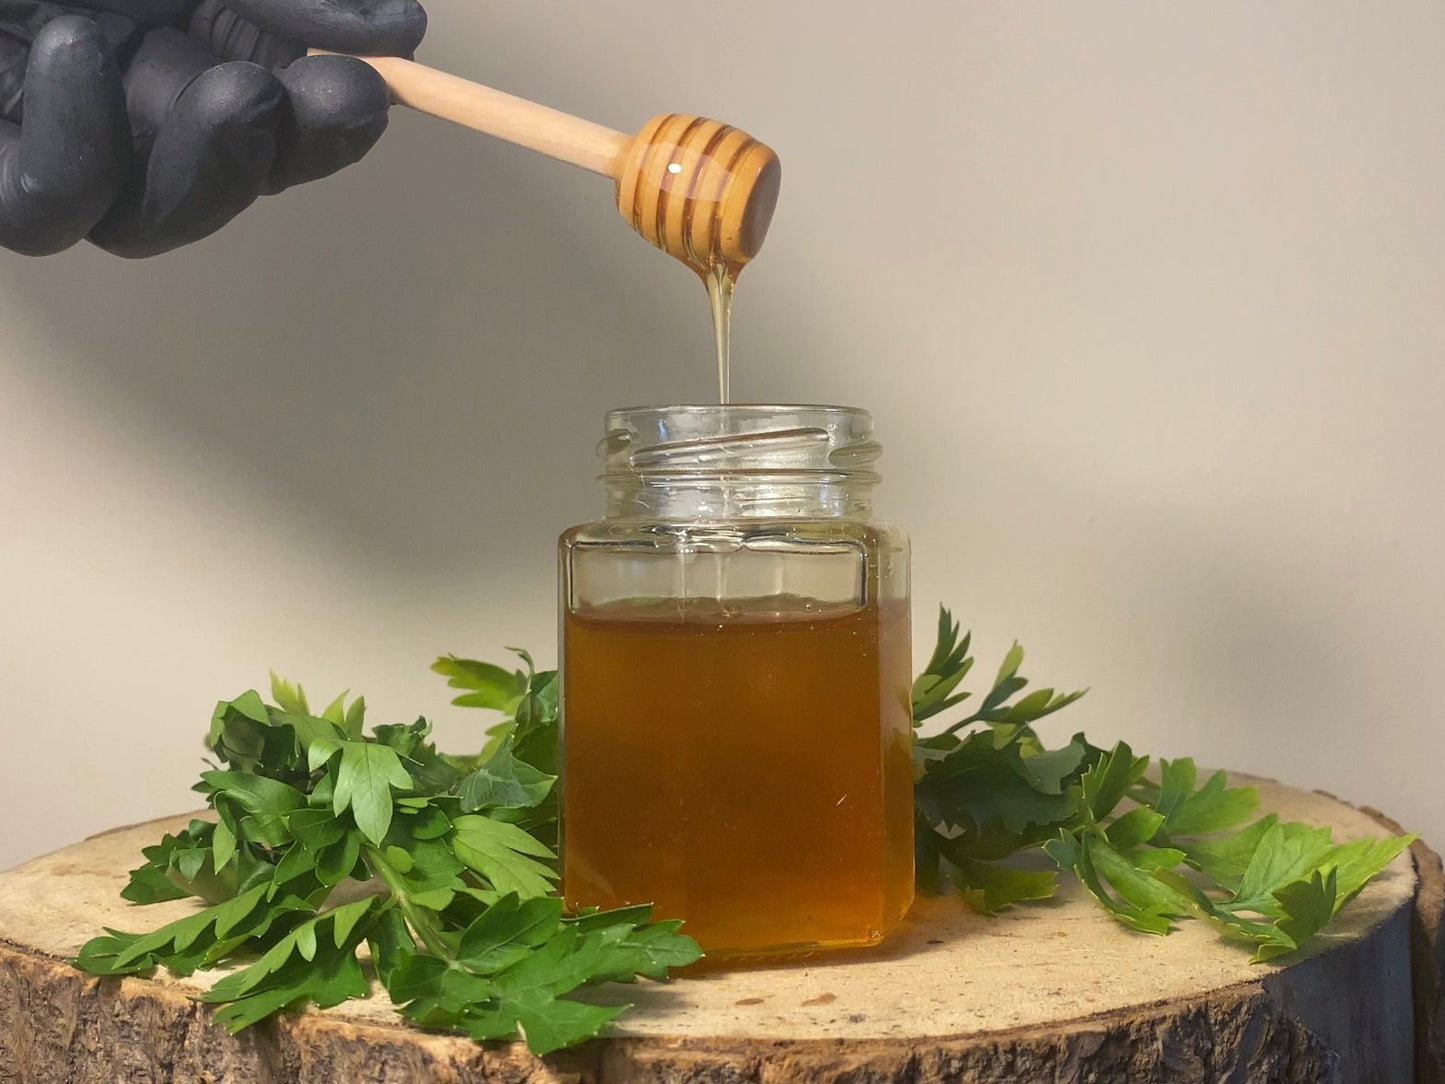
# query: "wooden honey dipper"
{"type": "Point", "coordinates": [700, 190]}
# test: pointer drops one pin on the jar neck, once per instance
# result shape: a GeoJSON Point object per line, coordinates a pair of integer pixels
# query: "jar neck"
{"type": "Point", "coordinates": [739, 461]}
{"type": "Point", "coordinates": [705, 497]}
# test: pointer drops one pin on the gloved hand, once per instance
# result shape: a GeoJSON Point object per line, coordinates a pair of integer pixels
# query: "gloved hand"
{"type": "Point", "coordinates": [149, 124]}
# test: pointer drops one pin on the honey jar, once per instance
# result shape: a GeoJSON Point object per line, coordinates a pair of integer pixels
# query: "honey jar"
{"type": "Point", "coordinates": [735, 669]}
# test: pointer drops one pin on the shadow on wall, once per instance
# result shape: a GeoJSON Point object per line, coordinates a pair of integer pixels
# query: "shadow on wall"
{"type": "Point", "coordinates": [416, 359]}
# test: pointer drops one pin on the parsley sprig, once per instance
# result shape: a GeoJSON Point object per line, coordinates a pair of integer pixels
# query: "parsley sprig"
{"type": "Point", "coordinates": [1149, 851]}
{"type": "Point", "coordinates": [328, 840]}
{"type": "Point", "coordinates": [337, 856]}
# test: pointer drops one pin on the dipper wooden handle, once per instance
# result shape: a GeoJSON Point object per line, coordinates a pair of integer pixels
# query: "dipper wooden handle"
{"type": "Point", "coordinates": [700, 190]}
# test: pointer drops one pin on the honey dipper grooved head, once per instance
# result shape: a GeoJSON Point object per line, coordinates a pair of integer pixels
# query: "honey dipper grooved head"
{"type": "Point", "coordinates": [700, 190]}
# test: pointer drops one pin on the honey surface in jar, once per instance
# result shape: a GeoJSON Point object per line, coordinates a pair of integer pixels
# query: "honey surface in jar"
{"type": "Point", "coordinates": [744, 766]}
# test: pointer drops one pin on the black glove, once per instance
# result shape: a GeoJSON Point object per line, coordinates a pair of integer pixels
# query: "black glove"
{"type": "Point", "coordinates": [149, 124]}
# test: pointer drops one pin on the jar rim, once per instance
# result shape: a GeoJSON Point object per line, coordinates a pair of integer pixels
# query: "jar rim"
{"type": "Point", "coordinates": [738, 439]}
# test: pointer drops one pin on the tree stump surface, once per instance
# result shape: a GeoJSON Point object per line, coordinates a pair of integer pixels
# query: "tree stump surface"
{"type": "Point", "coordinates": [1048, 992]}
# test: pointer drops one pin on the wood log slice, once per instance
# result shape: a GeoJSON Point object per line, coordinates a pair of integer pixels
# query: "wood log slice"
{"type": "Point", "coordinates": [1046, 992]}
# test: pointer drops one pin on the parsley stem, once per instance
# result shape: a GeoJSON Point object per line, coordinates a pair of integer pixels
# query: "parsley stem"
{"type": "Point", "coordinates": [416, 917]}
{"type": "Point", "coordinates": [956, 727]}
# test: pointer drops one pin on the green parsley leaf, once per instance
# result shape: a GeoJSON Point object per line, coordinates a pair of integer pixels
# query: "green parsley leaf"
{"type": "Point", "coordinates": [1304, 908]}
{"type": "Point", "coordinates": [319, 738]}
{"type": "Point", "coordinates": [364, 783]}
{"type": "Point", "coordinates": [989, 888]}
{"type": "Point", "coordinates": [288, 697]}
{"type": "Point", "coordinates": [338, 925]}
{"type": "Point", "coordinates": [152, 882]}
{"type": "Point", "coordinates": [1286, 853]}
{"type": "Point", "coordinates": [946, 668]}
{"type": "Point", "coordinates": [1212, 808]}
{"type": "Point", "coordinates": [1225, 858]}
{"type": "Point", "coordinates": [180, 945]}
{"type": "Point", "coordinates": [491, 686]}
{"type": "Point", "coordinates": [504, 854]}
{"type": "Point", "coordinates": [1358, 862]}
{"type": "Point", "coordinates": [267, 801]}
{"type": "Point", "coordinates": [1134, 828]}
{"type": "Point", "coordinates": [503, 781]}
{"type": "Point", "coordinates": [508, 930]}
{"type": "Point", "coordinates": [1132, 901]}
{"type": "Point", "coordinates": [1105, 784]}
{"type": "Point", "coordinates": [550, 1024]}
{"type": "Point", "coordinates": [331, 976]}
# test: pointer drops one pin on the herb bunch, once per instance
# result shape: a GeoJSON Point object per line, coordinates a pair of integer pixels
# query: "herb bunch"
{"type": "Point", "coordinates": [329, 840]}
{"type": "Point", "coordinates": [1149, 851]}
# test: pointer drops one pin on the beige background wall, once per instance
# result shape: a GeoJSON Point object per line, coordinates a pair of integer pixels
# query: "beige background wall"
{"type": "Point", "coordinates": [1148, 299]}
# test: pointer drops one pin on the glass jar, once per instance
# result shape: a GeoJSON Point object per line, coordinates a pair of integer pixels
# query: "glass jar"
{"type": "Point", "coordinates": [736, 673]}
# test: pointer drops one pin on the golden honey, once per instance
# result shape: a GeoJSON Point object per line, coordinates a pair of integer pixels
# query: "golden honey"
{"type": "Point", "coordinates": [746, 770]}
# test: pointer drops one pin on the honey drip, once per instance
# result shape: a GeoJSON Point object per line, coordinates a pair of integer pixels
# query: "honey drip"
{"type": "Point", "coordinates": [720, 282]}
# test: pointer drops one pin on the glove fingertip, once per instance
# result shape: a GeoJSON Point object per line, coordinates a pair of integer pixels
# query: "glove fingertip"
{"type": "Point", "coordinates": [236, 93]}
{"type": "Point", "coordinates": [333, 85]}
{"type": "Point", "coordinates": [416, 29]}
{"type": "Point", "coordinates": [396, 28]}
{"type": "Point", "coordinates": [339, 108]}
{"type": "Point", "coordinates": [64, 38]}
